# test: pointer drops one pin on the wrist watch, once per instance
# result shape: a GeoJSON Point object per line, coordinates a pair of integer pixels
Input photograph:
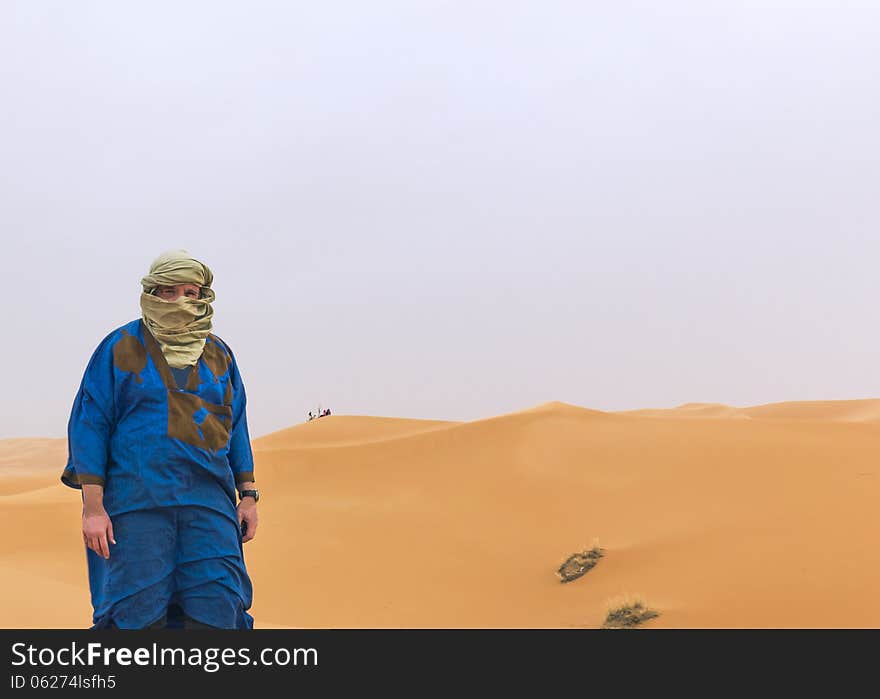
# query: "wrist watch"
{"type": "Point", "coordinates": [255, 494]}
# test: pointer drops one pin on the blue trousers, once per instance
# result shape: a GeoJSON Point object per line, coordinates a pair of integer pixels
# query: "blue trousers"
{"type": "Point", "coordinates": [185, 559]}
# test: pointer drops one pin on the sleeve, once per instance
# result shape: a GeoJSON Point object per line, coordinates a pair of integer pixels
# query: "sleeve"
{"type": "Point", "coordinates": [241, 457]}
{"type": "Point", "coordinates": [91, 422]}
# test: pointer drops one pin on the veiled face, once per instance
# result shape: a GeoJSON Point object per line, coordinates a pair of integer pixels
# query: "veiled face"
{"type": "Point", "coordinates": [172, 293]}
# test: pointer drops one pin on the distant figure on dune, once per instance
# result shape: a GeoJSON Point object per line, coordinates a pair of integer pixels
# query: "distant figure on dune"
{"type": "Point", "coordinates": [311, 417]}
{"type": "Point", "coordinates": [158, 443]}
{"type": "Point", "coordinates": [326, 412]}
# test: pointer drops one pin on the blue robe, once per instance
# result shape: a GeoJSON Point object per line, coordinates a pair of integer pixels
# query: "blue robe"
{"type": "Point", "coordinates": [169, 458]}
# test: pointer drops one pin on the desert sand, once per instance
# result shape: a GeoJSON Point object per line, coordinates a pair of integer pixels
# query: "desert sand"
{"type": "Point", "coordinates": [719, 517]}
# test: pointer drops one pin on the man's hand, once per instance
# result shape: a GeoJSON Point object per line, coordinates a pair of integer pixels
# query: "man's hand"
{"type": "Point", "coordinates": [247, 512]}
{"type": "Point", "coordinates": [96, 525]}
{"type": "Point", "coordinates": [97, 530]}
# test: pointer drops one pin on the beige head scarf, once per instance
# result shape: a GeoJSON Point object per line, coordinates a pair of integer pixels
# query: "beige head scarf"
{"type": "Point", "coordinates": [180, 327]}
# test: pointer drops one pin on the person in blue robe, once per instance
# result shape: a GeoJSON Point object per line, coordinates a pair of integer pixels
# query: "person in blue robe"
{"type": "Point", "coordinates": [158, 443]}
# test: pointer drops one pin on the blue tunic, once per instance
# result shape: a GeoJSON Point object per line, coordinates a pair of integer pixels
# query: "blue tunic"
{"type": "Point", "coordinates": [169, 458]}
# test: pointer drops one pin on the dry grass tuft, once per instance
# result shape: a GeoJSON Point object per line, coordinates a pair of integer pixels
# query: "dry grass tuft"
{"type": "Point", "coordinates": [627, 612]}
{"type": "Point", "coordinates": [579, 563]}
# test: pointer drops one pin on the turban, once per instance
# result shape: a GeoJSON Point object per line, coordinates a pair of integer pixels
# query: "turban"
{"type": "Point", "coordinates": [177, 267]}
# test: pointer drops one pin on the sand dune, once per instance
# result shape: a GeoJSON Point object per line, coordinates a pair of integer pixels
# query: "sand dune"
{"type": "Point", "coordinates": [866, 410]}
{"type": "Point", "coordinates": [355, 429]}
{"type": "Point", "coordinates": [710, 410]}
{"type": "Point", "coordinates": [753, 517]}
{"type": "Point", "coordinates": [25, 464]}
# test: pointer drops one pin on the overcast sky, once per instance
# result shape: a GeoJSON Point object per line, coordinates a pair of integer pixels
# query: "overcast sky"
{"type": "Point", "coordinates": [449, 210]}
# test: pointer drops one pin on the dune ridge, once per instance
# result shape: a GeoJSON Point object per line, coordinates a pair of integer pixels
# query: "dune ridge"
{"type": "Point", "coordinates": [756, 517]}
{"type": "Point", "coordinates": [860, 410]}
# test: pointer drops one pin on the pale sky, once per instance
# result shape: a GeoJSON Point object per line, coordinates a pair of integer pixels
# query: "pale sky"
{"type": "Point", "coordinates": [449, 210]}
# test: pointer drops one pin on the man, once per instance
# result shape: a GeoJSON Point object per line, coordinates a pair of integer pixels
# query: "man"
{"type": "Point", "coordinates": [158, 442]}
